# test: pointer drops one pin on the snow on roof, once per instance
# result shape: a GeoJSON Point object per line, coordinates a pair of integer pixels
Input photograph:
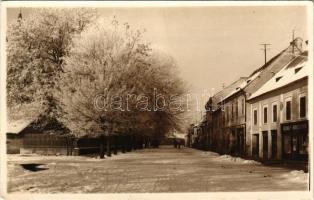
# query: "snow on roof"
{"type": "Point", "coordinates": [293, 71]}
{"type": "Point", "coordinates": [242, 85]}
{"type": "Point", "coordinates": [221, 95]}
{"type": "Point", "coordinates": [16, 126]}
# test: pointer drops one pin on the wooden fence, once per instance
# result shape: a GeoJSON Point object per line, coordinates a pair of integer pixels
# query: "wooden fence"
{"type": "Point", "coordinates": [49, 144]}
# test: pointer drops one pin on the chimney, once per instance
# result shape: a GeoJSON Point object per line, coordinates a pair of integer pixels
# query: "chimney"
{"type": "Point", "coordinates": [297, 45]}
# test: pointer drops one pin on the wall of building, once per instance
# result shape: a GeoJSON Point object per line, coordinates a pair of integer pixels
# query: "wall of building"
{"type": "Point", "coordinates": [233, 119]}
{"type": "Point", "coordinates": [291, 92]}
{"type": "Point", "coordinates": [234, 111]}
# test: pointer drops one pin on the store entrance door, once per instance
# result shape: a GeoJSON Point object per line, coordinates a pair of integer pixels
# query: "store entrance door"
{"type": "Point", "coordinates": [265, 145]}
{"type": "Point", "coordinates": [295, 141]}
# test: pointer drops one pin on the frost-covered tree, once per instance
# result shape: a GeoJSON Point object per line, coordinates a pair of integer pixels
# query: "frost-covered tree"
{"type": "Point", "coordinates": [36, 46]}
{"type": "Point", "coordinates": [110, 78]}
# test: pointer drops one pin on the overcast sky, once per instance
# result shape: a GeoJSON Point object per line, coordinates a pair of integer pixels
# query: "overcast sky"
{"type": "Point", "coordinates": [214, 45]}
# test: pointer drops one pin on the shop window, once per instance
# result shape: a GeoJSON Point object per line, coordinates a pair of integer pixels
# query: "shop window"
{"type": "Point", "coordinates": [287, 144]}
{"type": "Point", "coordinates": [288, 110]}
{"type": "Point", "coordinates": [255, 117]}
{"type": "Point", "coordinates": [265, 115]}
{"type": "Point", "coordinates": [303, 144]}
{"type": "Point", "coordinates": [275, 113]}
{"type": "Point", "coordinates": [302, 107]}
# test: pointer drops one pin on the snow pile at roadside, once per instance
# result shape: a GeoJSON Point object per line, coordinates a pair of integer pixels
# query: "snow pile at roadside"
{"type": "Point", "coordinates": [297, 176]}
{"type": "Point", "coordinates": [209, 153]}
{"type": "Point", "coordinates": [228, 158]}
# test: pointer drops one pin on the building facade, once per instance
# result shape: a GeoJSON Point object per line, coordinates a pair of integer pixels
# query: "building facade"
{"type": "Point", "coordinates": [279, 124]}
{"type": "Point", "coordinates": [235, 121]}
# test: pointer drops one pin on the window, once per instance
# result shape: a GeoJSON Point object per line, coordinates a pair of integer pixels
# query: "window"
{"type": "Point", "coordinates": [227, 113]}
{"type": "Point", "coordinates": [278, 78]}
{"type": "Point", "coordinates": [265, 114]}
{"type": "Point", "coordinates": [275, 113]}
{"type": "Point", "coordinates": [231, 110]}
{"type": "Point", "coordinates": [255, 117]}
{"type": "Point", "coordinates": [242, 106]}
{"type": "Point", "coordinates": [302, 107]}
{"type": "Point", "coordinates": [296, 70]}
{"type": "Point", "coordinates": [288, 110]}
{"type": "Point", "coordinates": [236, 109]}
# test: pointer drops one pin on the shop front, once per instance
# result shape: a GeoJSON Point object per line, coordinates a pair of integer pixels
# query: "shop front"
{"type": "Point", "coordinates": [295, 141]}
{"type": "Point", "coordinates": [237, 141]}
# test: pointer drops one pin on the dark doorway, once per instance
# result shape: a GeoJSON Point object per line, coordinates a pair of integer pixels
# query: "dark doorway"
{"type": "Point", "coordinates": [265, 145]}
{"type": "Point", "coordinates": [255, 150]}
{"type": "Point", "coordinates": [240, 141]}
{"type": "Point", "coordinates": [273, 144]}
{"type": "Point", "coordinates": [233, 141]}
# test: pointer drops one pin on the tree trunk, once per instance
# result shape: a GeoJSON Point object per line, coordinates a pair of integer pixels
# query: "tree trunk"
{"type": "Point", "coordinates": [108, 146]}
{"type": "Point", "coordinates": [115, 143]}
{"type": "Point", "coordinates": [122, 142]}
{"type": "Point", "coordinates": [68, 145]}
{"type": "Point", "coordinates": [102, 147]}
{"type": "Point", "coordinates": [129, 143]}
{"type": "Point", "coordinates": [145, 142]}
{"type": "Point", "coordinates": [141, 142]}
{"type": "Point", "coordinates": [134, 139]}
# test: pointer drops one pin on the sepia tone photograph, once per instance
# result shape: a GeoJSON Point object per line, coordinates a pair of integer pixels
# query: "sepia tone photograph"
{"type": "Point", "coordinates": [175, 98]}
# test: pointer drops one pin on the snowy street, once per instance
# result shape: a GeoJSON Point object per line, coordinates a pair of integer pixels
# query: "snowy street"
{"type": "Point", "coordinates": [150, 170]}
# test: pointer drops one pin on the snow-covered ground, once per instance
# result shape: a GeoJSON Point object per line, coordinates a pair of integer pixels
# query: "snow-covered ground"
{"type": "Point", "coordinates": [296, 176]}
{"type": "Point", "coordinates": [228, 158]}
{"type": "Point", "coordinates": [150, 170]}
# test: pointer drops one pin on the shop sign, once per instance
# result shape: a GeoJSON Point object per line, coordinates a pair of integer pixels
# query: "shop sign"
{"type": "Point", "coordinates": [299, 126]}
{"type": "Point", "coordinates": [294, 127]}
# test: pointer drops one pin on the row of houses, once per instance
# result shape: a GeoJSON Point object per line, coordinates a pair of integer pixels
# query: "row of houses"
{"type": "Point", "coordinates": [263, 116]}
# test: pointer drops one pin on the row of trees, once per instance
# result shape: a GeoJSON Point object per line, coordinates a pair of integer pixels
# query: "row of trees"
{"type": "Point", "coordinates": [90, 76]}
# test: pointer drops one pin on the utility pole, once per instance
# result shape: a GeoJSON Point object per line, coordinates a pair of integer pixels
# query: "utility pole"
{"type": "Point", "coordinates": [265, 51]}
{"type": "Point", "coordinates": [293, 41]}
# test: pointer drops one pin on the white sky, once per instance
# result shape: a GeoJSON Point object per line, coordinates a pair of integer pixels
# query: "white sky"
{"type": "Point", "coordinates": [214, 45]}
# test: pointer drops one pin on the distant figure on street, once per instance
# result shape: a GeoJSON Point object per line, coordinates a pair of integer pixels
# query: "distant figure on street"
{"type": "Point", "coordinates": [177, 143]}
